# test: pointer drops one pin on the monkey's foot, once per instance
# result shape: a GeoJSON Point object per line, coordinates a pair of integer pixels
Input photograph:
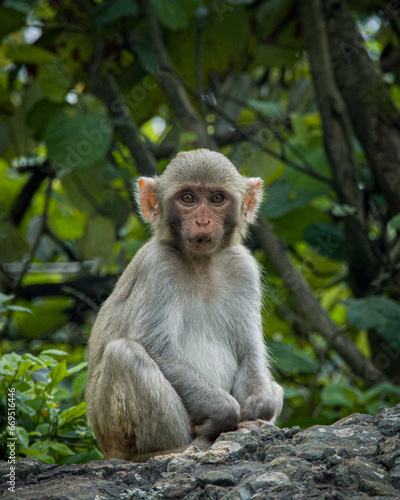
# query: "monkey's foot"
{"type": "Point", "coordinates": [251, 425]}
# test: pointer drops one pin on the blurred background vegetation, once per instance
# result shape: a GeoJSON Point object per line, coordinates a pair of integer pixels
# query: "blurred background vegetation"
{"type": "Point", "coordinates": [304, 94]}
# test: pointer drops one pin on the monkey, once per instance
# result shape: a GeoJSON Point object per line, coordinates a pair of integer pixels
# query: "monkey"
{"type": "Point", "coordinates": [176, 354]}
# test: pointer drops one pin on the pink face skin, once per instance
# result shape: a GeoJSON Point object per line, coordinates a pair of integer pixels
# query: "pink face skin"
{"type": "Point", "coordinates": [203, 212]}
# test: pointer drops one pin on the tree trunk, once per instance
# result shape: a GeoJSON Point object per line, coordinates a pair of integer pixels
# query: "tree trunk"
{"type": "Point", "coordinates": [373, 113]}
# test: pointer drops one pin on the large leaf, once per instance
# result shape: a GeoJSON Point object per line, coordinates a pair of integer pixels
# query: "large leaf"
{"type": "Point", "coordinates": [292, 226]}
{"type": "Point", "coordinates": [283, 198]}
{"type": "Point", "coordinates": [40, 114]}
{"type": "Point", "coordinates": [58, 373]}
{"type": "Point", "coordinates": [76, 185]}
{"type": "Point", "coordinates": [47, 314]}
{"type": "Point", "coordinates": [11, 20]}
{"type": "Point", "coordinates": [338, 395]}
{"type": "Point", "coordinates": [175, 14]}
{"type": "Point", "coordinates": [29, 54]}
{"type": "Point", "coordinates": [326, 239]}
{"type": "Point", "coordinates": [379, 313]}
{"type": "Point", "coordinates": [291, 360]}
{"type": "Point", "coordinates": [76, 139]}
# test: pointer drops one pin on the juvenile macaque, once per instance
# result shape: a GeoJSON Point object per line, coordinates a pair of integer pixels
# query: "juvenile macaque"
{"type": "Point", "coordinates": [177, 353]}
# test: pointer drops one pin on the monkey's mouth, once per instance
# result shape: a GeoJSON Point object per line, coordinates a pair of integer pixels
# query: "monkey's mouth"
{"type": "Point", "coordinates": [206, 238]}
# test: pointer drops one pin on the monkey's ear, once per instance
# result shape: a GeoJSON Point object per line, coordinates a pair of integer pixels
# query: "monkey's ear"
{"type": "Point", "coordinates": [147, 198]}
{"type": "Point", "coordinates": [253, 198]}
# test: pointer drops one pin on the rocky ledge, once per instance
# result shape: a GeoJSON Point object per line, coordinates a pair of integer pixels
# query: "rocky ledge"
{"type": "Point", "coordinates": [358, 457]}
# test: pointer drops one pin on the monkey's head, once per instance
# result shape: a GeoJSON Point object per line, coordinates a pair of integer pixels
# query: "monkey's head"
{"type": "Point", "coordinates": [200, 203]}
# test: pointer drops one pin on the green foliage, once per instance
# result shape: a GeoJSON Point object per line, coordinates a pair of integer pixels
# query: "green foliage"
{"type": "Point", "coordinates": [47, 427]}
{"type": "Point", "coordinates": [379, 313]}
{"type": "Point", "coordinates": [340, 400]}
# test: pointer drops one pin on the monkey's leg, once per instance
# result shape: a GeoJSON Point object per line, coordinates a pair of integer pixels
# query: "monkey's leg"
{"type": "Point", "coordinates": [138, 411]}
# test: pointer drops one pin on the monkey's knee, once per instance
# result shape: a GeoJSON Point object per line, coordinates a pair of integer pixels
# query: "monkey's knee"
{"type": "Point", "coordinates": [139, 406]}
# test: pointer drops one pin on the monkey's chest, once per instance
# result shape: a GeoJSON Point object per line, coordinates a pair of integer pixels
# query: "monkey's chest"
{"type": "Point", "coordinates": [206, 342]}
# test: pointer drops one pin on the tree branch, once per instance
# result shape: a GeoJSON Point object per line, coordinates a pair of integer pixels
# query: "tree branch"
{"type": "Point", "coordinates": [309, 306]}
{"type": "Point", "coordinates": [128, 131]}
{"type": "Point", "coordinates": [172, 87]}
{"type": "Point", "coordinates": [21, 204]}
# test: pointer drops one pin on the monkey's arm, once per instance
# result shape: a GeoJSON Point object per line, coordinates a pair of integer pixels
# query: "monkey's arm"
{"type": "Point", "coordinates": [211, 409]}
{"type": "Point", "coordinates": [259, 396]}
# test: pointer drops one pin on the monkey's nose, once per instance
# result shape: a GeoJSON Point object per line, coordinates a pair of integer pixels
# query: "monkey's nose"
{"type": "Point", "coordinates": [203, 223]}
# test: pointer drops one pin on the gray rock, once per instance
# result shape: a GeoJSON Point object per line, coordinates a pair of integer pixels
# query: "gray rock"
{"type": "Point", "coordinates": [356, 458]}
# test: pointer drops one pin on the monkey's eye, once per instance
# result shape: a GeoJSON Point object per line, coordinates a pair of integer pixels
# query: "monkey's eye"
{"type": "Point", "coordinates": [187, 198]}
{"type": "Point", "coordinates": [217, 198]}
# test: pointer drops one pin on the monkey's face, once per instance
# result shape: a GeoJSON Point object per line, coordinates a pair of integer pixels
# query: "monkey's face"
{"type": "Point", "coordinates": [205, 217]}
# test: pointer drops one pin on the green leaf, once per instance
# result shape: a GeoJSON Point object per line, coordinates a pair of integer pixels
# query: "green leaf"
{"type": "Point", "coordinates": [292, 226]}
{"type": "Point", "coordinates": [75, 182]}
{"type": "Point", "coordinates": [19, 308]}
{"type": "Point", "coordinates": [383, 388]}
{"type": "Point", "coordinates": [24, 367]}
{"type": "Point", "coordinates": [79, 383]}
{"type": "Point", "coordinates": [77, 368]}
{"type": "Point", "coordinates": [76, 139]}
{"type": "Point", "coordinates": [395, 222]}
{"type": "Point", "coordinates": [12, 246]}
{"type": "Point", "coordinates": [38, 446]}
{"type": "Point", "coordinates": [266, 108]}
{"type": "Point", "coordinates": [175, 14]}
{"type": "Point", "coordinates": [11, 20]}
{"type": "Point", "coordinates": [378, 312]}
{"type": "Point", "coordinates": [22, 436]}
{"type": "Point", "coordinates": [54, 80]}
{"type": "Point", "coordinates": [37, 361]}
{"type": "Point", "coordinates": [283, 198]}
{"type": "Point", "coordinates": [58, 373]}
{"type": "Point", "coordinates": [337, 395]}
{"type": "Point", "coordinates": [47, 312]}
{"type": "Point", "coordinates": [98, 240]}
{"type": "Point", "coordinates": [54, 352]}
{"type": "Point", "coordinates": [40, 114]}
{"type": "Point", "coordinates": [5, 298]}
{"type": "Point", "coordinates": [28, 54]}
{"type": "Point", "coordinates": [291, 360]}
{"type": "Point", "coordinates": [61, 448]}
{"type": "Point", "coordinates": [326, 239]}
{"type": "Point", "coordinates": [107, 12]}
{"type": "Point", "coordinates": [278, 56]}
{"type": "Point", "coordinates": [72, 413]}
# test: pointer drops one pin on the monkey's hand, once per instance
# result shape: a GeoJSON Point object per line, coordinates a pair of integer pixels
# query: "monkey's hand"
{"type": "Point", "coordinates": [264, 405]}
{"type": "Point", "coordinates": [223, 415]}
